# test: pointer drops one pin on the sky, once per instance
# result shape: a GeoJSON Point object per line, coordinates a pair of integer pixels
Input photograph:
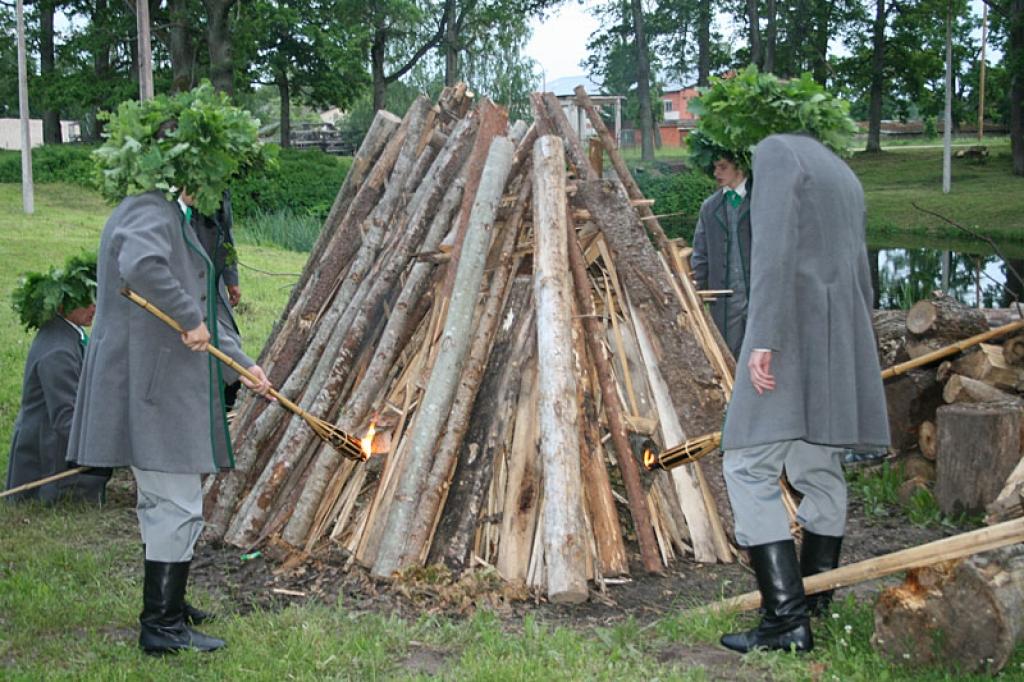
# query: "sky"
{"type": "Point", "coordinates": [559, 41]}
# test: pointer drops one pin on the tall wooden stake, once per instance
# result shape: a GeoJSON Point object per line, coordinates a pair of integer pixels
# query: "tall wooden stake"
{"type": "Point", "coordinates": [27, 194]}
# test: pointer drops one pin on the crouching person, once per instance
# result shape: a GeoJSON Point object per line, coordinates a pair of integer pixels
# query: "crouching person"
{"type": "Point", "coordinates": [149, 398]}
{"type": "Point", "coordinates": [59, 305]}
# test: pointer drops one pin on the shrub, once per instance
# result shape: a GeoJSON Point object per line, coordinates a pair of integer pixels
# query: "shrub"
{"type": "Point", "coordinates": [678, 193]}
{"type": "Point", "coordinates": [69, 163]}
{"type": "Point", "coordinates": [283, 228]}
{"type": "Point", "coordinates": [305, 183]}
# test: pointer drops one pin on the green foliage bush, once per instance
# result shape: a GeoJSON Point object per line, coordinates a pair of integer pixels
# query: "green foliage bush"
{"type": "Point", "coordinates": [71, 163]}
{"type": "Point", "coordinates": [282, 228]}
{"type": "Point", "coordinates": [677, 193]}
{"type": "Point", "coordinates": [304, 183]}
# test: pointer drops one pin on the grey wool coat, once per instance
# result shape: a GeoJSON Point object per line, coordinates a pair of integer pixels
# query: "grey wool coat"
{"type": "Point", "coordinates": [810, 304]}
{"type": "Point", "coordinates": [40, 441]}
{"type": "Point", "coordinates": [710, 258]}
{"type": "Point", "coordinates": [145, 399]}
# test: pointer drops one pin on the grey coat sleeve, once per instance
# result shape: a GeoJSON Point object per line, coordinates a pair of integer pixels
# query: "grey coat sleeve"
{"type": "Point", "coordinates": [699, 255]}
{"type": "Point", "coordinates": [142, 260]}
{"type": "Point", "coordinates": [774, 218]}
{"type": "Point", "coordinates": [58, 377]}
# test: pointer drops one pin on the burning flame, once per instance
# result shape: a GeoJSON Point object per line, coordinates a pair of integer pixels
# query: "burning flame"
{"type": "Point", "coordinates": [650, 460]}
{"type": "Point", "coordinates": [366, 442]}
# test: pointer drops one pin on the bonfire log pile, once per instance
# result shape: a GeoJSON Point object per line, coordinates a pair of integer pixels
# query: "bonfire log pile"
{"type": "Point", "coordinates": [508, 322]}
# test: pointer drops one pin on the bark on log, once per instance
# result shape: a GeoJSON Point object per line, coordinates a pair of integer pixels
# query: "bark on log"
{"type": "Point", "coordinates": [967, 615]}
{"type": "Point", "coordinates": [940, 321]}
{"type": "Point", "coordinates": [635, 495]}
{"type": "Point", "coordinates": [978, 447]}
{"type": "Point", "coordinates": [488, 434]}
{"type": "Point", "coordinates": [466, 413]}
{"type": "Point", "coordinates": [918, 466]}
{"type": "Point", "coordinates": [927, 440]}
{"type": "Point", "coordinates": [988, 364]}
{"type": "Point", "coordinates": [891, 333]}
{"type": "Point", "coordinates": [910, 399]}
{"type": "Point", "coordinates": [961, 389]}
{"type": "Point", "coordinates": [564, 543]}
{"type": "Point", "coordinates": [1013, 350]}
{"type": "Point", "coordinates": [442, 383]}
{"type": "Point", "coordinates": [945, 317]}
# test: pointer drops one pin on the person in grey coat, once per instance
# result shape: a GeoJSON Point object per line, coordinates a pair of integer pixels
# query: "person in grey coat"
{"type": "Point", "coordinates": [721, 249]}
{"type": "Point", "coordinates": [40, 441]}
{"type": "Point", "coordinates": [808, 383]}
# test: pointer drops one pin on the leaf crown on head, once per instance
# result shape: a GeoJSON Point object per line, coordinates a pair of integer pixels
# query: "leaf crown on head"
{"type": "Point", "coordinates": [738, 112]}
{"type": "Point", "coordinates": [39, 296]}
{"type": "Point", "coordinates": [195, 140]}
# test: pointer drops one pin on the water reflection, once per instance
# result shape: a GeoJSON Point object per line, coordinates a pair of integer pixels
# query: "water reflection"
{"type": "Point", "coordinates": [905, 275]}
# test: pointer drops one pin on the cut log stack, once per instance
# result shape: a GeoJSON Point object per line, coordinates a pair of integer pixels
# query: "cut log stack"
{"type": "Point", "coordinates": [507, 325]}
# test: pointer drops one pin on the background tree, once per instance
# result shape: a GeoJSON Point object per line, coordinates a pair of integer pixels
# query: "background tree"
{"type": "Point", "coordinates": [307, 50]}
{"type": "Point", "coordinates": [1008, 26]}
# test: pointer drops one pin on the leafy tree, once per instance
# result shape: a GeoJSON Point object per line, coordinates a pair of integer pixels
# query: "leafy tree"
{"type": "Point", "coordinates": [308, 50]}
{"type": "Point", "coordinates": [1008, 22]}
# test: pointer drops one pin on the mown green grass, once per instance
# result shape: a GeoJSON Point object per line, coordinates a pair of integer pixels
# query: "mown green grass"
{"type": "Point", "coordinates": [70, 577]}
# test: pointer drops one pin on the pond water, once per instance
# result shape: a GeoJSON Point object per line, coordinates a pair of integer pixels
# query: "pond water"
{"type": "Point", "coordinates": [908, 270]}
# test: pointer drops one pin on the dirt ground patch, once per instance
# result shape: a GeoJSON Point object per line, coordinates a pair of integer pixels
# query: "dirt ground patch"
{"type": "Point", "coordinates": [263, 581]}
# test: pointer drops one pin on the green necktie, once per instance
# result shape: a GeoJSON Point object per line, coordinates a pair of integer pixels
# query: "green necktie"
{"type": "Point", "coordinates": [85, 339]}
{"type": "Point", "coordinates": [733, 197]}
{"type": "Point", "coordinates": [188, 215]}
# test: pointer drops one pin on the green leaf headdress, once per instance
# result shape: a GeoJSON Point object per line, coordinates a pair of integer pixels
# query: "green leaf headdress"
{"type": "Point", "coordinates": [194, 140]}
{"type": "Point", "coordinates": [40, 297]}
{"type": "Point", "coordinates": [737, 113]}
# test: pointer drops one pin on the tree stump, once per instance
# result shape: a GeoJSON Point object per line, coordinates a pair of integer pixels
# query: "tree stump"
{"type": "Point", "coordinates": [967, 614]}
{"type": "Point", "coordinates": [911, 398]}
{"type": "Point", "coordinates": [978, 447]}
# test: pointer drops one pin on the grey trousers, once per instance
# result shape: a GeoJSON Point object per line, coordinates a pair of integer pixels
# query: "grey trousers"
{"type": "Point", "coordinates": [752, 479]}
{"type": "Point", "coordinates": [170, 510]}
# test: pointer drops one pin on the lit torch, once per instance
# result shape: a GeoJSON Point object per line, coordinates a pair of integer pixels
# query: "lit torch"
{"type": "Point", "coordinates": [686, 453]}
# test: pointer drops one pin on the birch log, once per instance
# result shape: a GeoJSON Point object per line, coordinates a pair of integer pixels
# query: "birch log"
{"type": "Point", "coordinates": [441, 386]}
{"type": "Point", "coordinates": [564, 528]}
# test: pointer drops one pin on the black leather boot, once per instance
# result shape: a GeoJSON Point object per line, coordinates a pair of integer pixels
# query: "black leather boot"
{"type": "Point", "coordinates": [819, 553]}
{"type": "Point", "coordinates": [785, 624]}
{"type": "Point", "coordinates": [162, 623]}
{"type": "Point", "coordinates": [193, 616]}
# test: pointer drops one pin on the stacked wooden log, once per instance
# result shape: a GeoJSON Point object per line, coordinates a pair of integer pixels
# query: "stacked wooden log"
{"type": "Point", "coordinates": [507, 369]}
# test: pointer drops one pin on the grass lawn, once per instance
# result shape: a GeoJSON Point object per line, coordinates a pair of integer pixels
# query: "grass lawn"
{"type": "Point", "coordinates": [70, 578]}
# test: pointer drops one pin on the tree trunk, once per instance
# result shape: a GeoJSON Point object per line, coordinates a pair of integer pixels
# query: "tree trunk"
{"type": "Point", "coordinates": [451, 44]}
{"type": "Point", "coordinates": [891, 334]}
{"type": "Point", "coordinates": [441, 386]}
{"type": "Point", "coordinates": [754, 37]}
{"type": "Point", "coordinates": [1015, 62]}
{"type": "Point", "coordinates": [557, 411]}
{"type": "Point", "coordinates": [218, 42]}
{"type": "Point", "coordinates": [941, 321]}
{"type": "Point", "coordinates": [978, 447]}
{"type": "Point", "coordinates": [284, 90]}
{"type": "Point", "coordinates": [877, 79]}
{"type": "Point", "coordinates": [703, 44]}
{"type": "Point", "coordinates": [180, 46]}
{"type": "Point", "coordinates": [961, 389]}
{"type": "Point", "coordinates": [51, 116]}
{"type": "Point", "coordinates": [1013, 350]}
{"type": "Point", "coordinates": [987, 364]}
{"type": "Point", "coordinates": [968, 616]}
{"type": "Point", "coordinates": [770, 38]}
{"type": "Point", "coordinates": [643, 83]}
{"type": "Point", "coordinates": [821, 38]}
{"type": "Point", "coordinates": [377, 56]}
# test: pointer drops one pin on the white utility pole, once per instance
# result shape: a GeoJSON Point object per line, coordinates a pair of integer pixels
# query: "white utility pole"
{"type": "Point", "coordinates": [27, 194]}
{"type": "Point", "coordinates": [145, 51]}
{"type": "Point", "coordinates": [947, 133]}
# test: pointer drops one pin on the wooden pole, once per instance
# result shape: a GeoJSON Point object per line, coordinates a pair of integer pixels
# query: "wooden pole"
{"type": "Point", "coordinates": [981, 73]}
{"type": "Point", "coordinates": [557, 409]}
{"type": "Point", "coordinates": [145, 50]}
{"type": "Point", "coordinates": [27, 190]}
{"type": "Point", "coordinates": [32, 485]}
{"type": "Point", "coordinates": [947, 132]}
{"type": "Point", "coordinates": [947, 549]}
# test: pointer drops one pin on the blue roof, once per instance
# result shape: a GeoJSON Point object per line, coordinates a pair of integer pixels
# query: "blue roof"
{"type": "Point", "coordinates": [562, 87]}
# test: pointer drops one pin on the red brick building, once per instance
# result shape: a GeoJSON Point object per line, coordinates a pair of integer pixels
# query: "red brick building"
{"type": "Point", "coordinates": [677, 120]}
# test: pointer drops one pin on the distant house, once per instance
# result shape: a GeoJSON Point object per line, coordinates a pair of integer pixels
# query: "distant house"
{"type": "Point", "coordinates": [10, 132]}
{"type": "Point", "coordinates": [677, 119]}
{"type": "Point", "coordinates": [564, 90]}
